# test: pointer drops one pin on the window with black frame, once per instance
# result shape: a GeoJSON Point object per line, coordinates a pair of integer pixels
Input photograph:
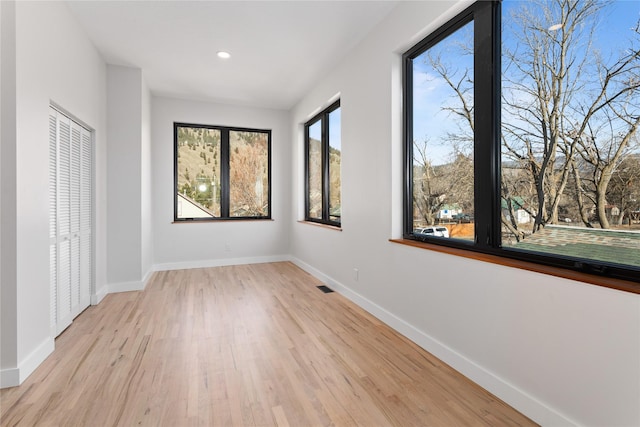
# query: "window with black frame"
{"type": "Point", "coordinates": [323, 154]}
{"type": "Point", "coordinates": [221, 173]}
{"type": "Point", "coordinates": [521, 134]}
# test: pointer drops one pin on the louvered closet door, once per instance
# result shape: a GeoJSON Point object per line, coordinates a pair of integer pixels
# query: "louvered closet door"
{"type": "Point", "coordinates": [53, 218]}
{"type": "Point", "coordinates": [70, 219]}
{"type": "Point", "coordinates": [86, 219]}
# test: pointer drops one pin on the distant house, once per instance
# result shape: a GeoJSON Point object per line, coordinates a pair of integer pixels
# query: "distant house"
{"type": "Point", "coordinates": [189, 208]}
{"type": "Point", "coordinates": [517, 206]}
{"type": "Point", "coordinates": [447, 212]}
{"type": "Point", "coordinates": [612, 211]}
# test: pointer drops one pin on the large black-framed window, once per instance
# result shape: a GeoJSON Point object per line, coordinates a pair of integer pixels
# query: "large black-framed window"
{"type": "Point", "coordinates": [521, 142]}
{"type": "Point", "coordinates": [221, 173]}
{"type": "Point", "coordinates": [323, 154]}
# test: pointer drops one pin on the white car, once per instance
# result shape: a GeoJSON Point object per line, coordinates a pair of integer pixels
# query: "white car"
{"type": "Point", "coordinates": [438, 231]}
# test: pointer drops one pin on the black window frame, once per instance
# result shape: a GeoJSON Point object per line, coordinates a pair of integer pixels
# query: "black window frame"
{"type": "Point", "coordinates": [224, 172]}
{"type": "Point", "coordinates": [323, 118]}
{"type": "Point", "coordinates": [487, 155]}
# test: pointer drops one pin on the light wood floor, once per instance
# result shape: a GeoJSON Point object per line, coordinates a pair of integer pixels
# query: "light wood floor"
{"type": "Point", "coordinates": [253, 345]}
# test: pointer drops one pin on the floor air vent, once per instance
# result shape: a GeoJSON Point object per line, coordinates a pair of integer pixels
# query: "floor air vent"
{"type": "Point", "coordinates": [325, 289]}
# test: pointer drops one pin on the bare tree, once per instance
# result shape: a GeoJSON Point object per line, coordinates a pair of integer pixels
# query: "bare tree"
{"type": "Point", "coordinates": [315, 178]}
{"type": "Point", "coordinates": [435, 187]}
{"type": "Point", "coordinates": [517, 193]}
{"type": "Point", "coordinates": [612, 123]}
{"type": "Point", "coordinates": [543, 75]}
{"type": "Point", "coordinates": [460, 81]}
{"type": "Point", "coordinates": [624, 188]}
{"type": "Point", "coordinates": [429, 189]}
{"type": "Point", "coordinates": [248, 176]}
{"type": "Point", "coordinates": [580, 193]}
{"type": "Point", "coordinates": [560, 95]}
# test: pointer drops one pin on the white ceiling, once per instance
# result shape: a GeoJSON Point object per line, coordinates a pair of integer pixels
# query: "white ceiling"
{"type": "Point", "coordinates": [279, 48]}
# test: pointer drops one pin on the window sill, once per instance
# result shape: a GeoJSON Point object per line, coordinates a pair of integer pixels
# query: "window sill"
{"type": "Point", "coordinates": [318, 224]}
{"type": "Point", "coordinates": [621, 285]}
{"type": "Point", "coordinates": [219, 220]}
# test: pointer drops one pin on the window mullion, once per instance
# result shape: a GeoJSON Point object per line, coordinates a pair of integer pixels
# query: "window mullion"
{"type": "Point", "coordinates": [495, 59]}
{"type": "Point", "coordinates": [325, 167]}
{"type": "Point", "coordinates": [487, 125]}
{"type": "Point", "coordinates": [307, 202]}
{"type": "Point", "coordinates": [175, 168]}
{"type": "Point", "coordinates": [224, 173]}
{"type": "Point", "coordinates": [407, 146]}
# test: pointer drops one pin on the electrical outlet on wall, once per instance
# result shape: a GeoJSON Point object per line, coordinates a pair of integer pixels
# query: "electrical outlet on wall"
{"type": "Point", "coordinates": [227, 247]}
{"type": "Point", "coordinates": [356, 274]}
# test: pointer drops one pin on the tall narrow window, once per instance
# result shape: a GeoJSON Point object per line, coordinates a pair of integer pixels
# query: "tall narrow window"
{"type": "Point", "coordinates": [443, 136]}
{"type": "Point", "coordinates": [323, 153]}
{"type": "Point", "coordinates": [221, 173]}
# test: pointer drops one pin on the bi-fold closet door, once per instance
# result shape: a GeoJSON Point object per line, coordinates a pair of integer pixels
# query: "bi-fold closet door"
{"type": "Point", "coordinates": [70, 219]}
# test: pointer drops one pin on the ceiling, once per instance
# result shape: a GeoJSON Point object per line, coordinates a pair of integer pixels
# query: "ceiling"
{"type": "Point", "coordinates": [278, 48]}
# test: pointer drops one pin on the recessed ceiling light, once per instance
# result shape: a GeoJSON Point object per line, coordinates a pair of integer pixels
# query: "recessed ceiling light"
{"type": "Point", "coordinates": [224, 55]}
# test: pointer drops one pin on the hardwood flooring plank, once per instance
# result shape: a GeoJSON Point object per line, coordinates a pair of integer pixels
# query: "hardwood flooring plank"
{"type": "Point", "coordinates": [250, 345]}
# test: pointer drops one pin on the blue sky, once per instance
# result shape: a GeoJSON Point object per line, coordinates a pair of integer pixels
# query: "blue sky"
{"type": "Point", "coordinates": [431, 92]}
{"type": "Point", "coordinates": [335, 124]}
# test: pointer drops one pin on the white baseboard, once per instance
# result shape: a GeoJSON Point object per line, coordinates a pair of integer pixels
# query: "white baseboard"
{"type": "Point", "coordinates": [219, 262]}
{"type": "Point", "coordinates": [137, 285]}
{"type": "Point", "coordinates": [99, 295]}
{"type": "Point", "coordinates": [141, 284]}
{"type": "Point", "coordinates": [15, 376]}
{"type": "Point", "coordinates": [145, 279]}
{"type": "Point", "coordinates": [522, 401]}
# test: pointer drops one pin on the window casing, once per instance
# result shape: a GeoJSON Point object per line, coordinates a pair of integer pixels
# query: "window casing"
{"type": "Point", "coordinates": [322, 153]}
{"type": "Point", "coordinates": [221, 173]}
{"type": "Point", "coordinates": [482, 104]}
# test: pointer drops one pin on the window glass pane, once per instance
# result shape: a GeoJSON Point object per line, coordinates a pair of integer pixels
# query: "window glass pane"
{"type": "Point", "coordinates": [443, 137]}
{"type": "Point", "coordinates": [570, 113]}
{"type": "Point", "coordinates": [315, 170]}
{"type": "Point", "coordinates": [198, 174]}
{"type": "Point", "coordinates": [335, 158]}
{"type": "Point", "coordinates": [248, 174]}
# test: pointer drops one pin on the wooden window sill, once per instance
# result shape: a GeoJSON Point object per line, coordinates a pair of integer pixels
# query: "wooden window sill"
{"type": "Point", "coordinates": [607, 282]}
{"type": "Point", "coordinates": [220, 220]}
{"type": "Point", "coordinates": [319, 224]}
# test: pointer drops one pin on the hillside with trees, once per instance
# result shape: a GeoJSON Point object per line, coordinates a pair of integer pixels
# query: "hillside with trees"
{"type": "Point", "coordinates": [315, 180]}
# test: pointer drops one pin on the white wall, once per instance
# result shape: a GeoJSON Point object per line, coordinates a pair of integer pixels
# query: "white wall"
{"type": "Point", "coordinates": [191, 244]}
{"type": "Point", "coordinates": [54, 62]}
{"type": "Point", "coordinates": [146, 185]}
{"type": "Point", "coordinates": [562, 352]}
{"type": "Point", "coordinates": [8, 290]}
{"type": "Point", "coordinates": [129, 186]}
